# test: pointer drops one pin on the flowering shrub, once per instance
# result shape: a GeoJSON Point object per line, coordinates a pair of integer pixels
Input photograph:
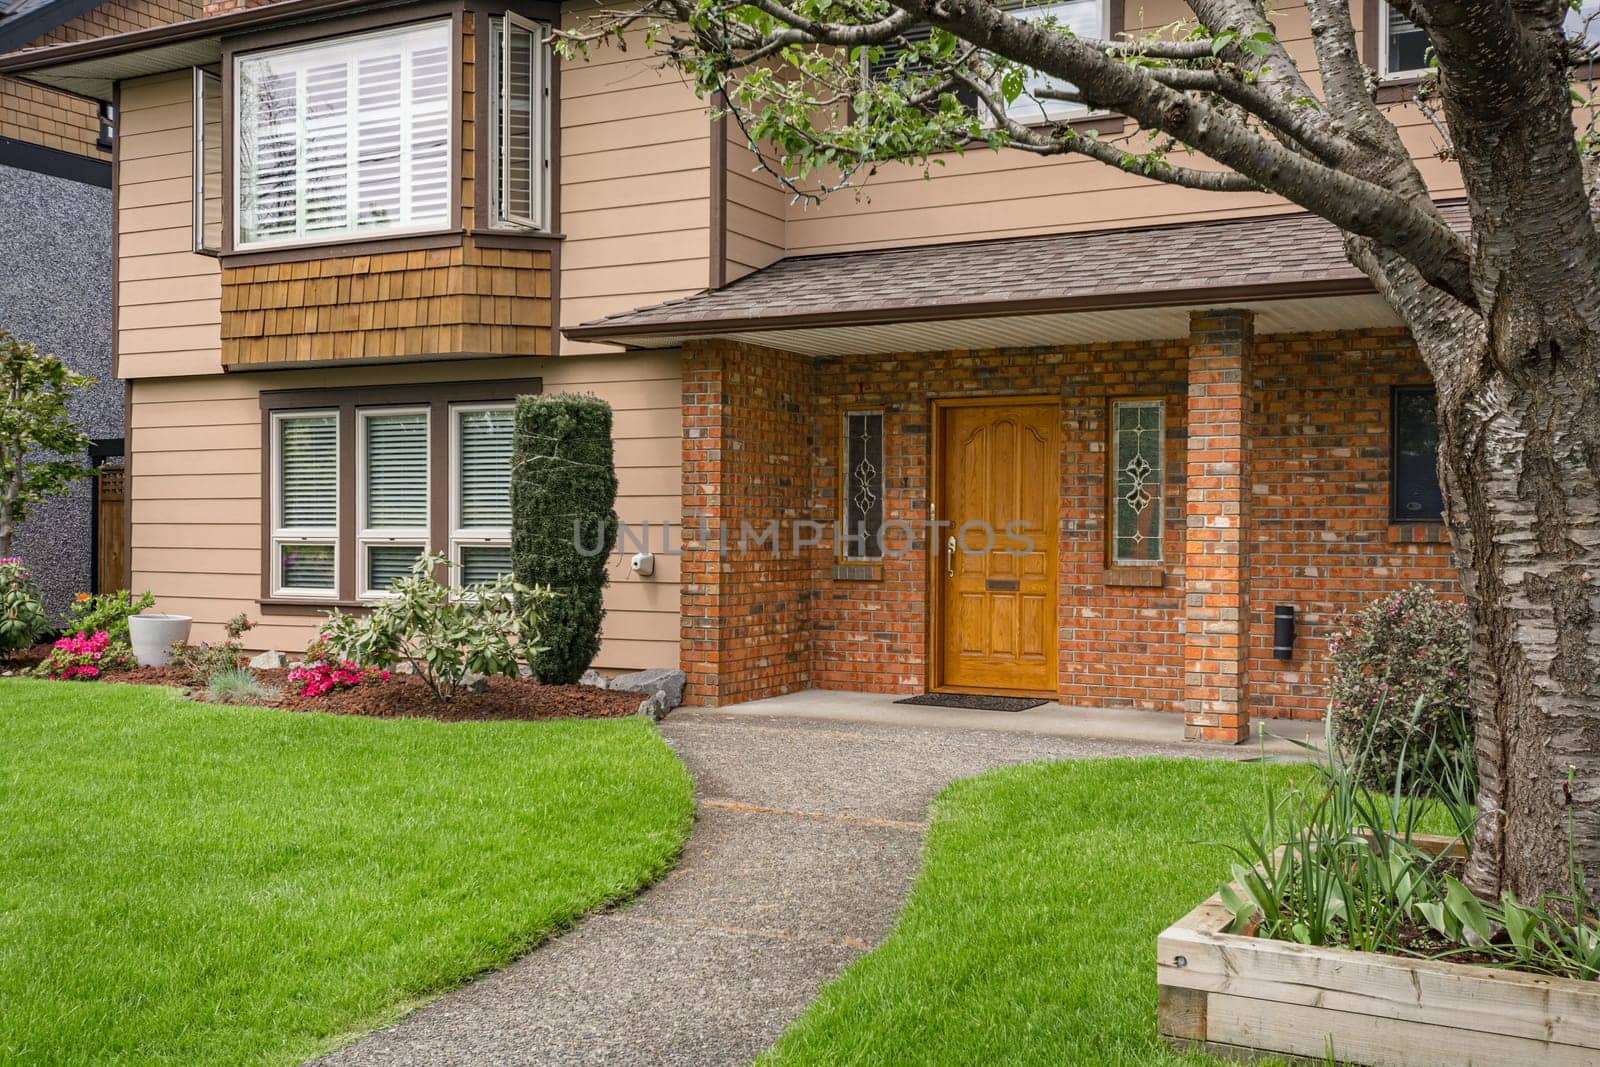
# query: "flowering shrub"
{"type": "Point", "coordinates": [108, 612]}
{"type": "Point", "coordinates": [22, 617]}
{"type": "Point", "coordinates": [202, 661]}
{"type": "Point", "coordinates": [85, 657]}
{"type": "Point", "coordinates": [444, 632]}
{"type": "Point", "coordinates": [1399, 685]}
{"type": "Point", "coordinates": [315, 679]}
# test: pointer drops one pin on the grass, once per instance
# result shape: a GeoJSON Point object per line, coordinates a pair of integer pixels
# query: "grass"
{"type": "Point", "coordinates": [1029, 937]}
{"type": "Point", "coordinates": [186, 883]}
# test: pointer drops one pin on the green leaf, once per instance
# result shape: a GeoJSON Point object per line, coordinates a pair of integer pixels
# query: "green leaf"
{"type": "Point", "coordinates": [1467, 909]}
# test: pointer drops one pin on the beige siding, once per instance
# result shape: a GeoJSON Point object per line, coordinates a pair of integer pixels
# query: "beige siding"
{"type": "Point", "coordinates": [635, 185]}
{"type": "Point", "coordinates": [196, 453]}
{"type": "Point", "coordinates": [757, 233]}
{"type": "Point", "coordinates": [168, 298]}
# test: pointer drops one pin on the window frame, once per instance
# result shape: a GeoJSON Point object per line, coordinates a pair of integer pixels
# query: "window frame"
{"type": "Point", "coordinates": [1384, 73]}
{"type": "Point", "coordinates": [437, 397]}
{"type": "Point", "coordinates": [368, 536]}
{"type": "Point", "coordinates": [475, 537]}
{"type": "Point", "coordinates": [197, 164]}
{"type": "Point", "coordinates": [349, 30]}
{"type": "Point", "coordinates": [497, 111]}
{"type": "Point", "coordinates": [1073, 112]}
{"type": "Point", "coordinates": [1112, 561]}
{"type": "Point", "coordinates": [1395, 517]}
{"type": "Point", "coordinates": [844, 554]}
{"type": "Point", "coordinates": [279, 535]}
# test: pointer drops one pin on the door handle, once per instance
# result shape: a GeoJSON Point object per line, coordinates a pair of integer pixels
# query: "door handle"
{"type": "Point", "coordinates": [950, 557]}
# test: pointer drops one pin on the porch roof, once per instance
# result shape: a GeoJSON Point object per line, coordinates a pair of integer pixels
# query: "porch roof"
{"type": "Point", "coordinates": [1127, 284]}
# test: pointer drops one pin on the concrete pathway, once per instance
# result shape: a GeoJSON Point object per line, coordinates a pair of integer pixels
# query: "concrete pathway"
{"type": "Point", "coordinates": [808, 836]}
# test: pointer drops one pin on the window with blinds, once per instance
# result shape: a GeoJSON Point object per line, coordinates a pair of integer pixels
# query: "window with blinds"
{"type": "Point", "coordinates": [345, 137]}
{"type": "Point", "coordinates": [480, 537]}
{"type": "Point", "coordinates": [393, 522]}
{"type": "Point", "coordinates": [519, 129]}
{"type": "Point", "coordinates": [305, 528]}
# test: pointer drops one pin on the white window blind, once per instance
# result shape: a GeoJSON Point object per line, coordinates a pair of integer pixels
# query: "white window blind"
{"type": "Point", "coordinates": [306, 511]}
{"type": "Point", "coordinates": [394, 495]}
{"type": "Point", "coordinates": [343, 137]}
{"type": "Point", "coordinates": [481, 497]}
{"type": "Point", "coordinates": [519, 140]}
{"type": "Point", "coordinates": [1085, 18]}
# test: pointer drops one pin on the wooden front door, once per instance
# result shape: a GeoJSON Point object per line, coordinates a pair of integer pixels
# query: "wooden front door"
{"type": "Point", "coordinates": [997, 465]}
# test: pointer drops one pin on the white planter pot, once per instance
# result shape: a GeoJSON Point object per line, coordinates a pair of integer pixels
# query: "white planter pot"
{"type": "Point", "coordinates": [152, 636]}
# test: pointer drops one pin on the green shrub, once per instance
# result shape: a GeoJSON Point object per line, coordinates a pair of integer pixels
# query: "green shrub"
{"type": "Point", "coordinates": [1399, 686]}
{"type": "Point", "coordinates": [108, 612]}
{"type": "Point", "coordinates": [563, 526]}
{"type": "Point", "coordinates": [442, 631]}
{"type": "Point", "coordinates": [22, 618]}
{"type": "Point", "coordinates": [203, 661]}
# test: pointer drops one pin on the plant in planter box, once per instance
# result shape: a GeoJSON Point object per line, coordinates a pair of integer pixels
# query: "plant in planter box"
{"type": "Point", "coordinates": [85, 657]}
{"type": "Point", "coordinates": [108, 612]}
{"type": "Point", "coordinates": [444, 632]}
{"type": "Point", "coordinates": [22, 617]}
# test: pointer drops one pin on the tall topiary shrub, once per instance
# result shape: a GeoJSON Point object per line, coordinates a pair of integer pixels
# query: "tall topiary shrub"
{"type": "Point", "coordinates": [563, 522]}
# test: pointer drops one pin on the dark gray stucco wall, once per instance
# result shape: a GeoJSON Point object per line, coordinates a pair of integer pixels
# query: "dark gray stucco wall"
{"type": "Point", "coordinates": [55, 290]}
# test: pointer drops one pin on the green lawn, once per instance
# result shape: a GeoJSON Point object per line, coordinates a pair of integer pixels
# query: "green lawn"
{"type": "Point", "coordinates": [189, 884]}
{"type": "Point", "coordinates": [1029, 937]}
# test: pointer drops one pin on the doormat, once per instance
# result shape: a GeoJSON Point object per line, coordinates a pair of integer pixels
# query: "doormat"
{"type": "Point", "coordinates": [974, 701]}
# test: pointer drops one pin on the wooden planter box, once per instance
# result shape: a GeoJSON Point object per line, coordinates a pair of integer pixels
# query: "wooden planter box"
{"type": "Point", "coordinates": [1243, 997]}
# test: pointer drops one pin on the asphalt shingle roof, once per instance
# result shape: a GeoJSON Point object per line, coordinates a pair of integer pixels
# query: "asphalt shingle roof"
{"type": "Point", "coordinates": [1219, 259]}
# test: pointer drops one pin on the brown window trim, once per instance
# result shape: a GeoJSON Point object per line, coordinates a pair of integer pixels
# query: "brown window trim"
{"type": "Point", "coordinates": [327, 29]}
{"type": "Point", "coordinates": [371, 246]}
{"type": "Point", "coordinates": [1153, 573]}
{"type": "Point", "coordinates": [438, 397]}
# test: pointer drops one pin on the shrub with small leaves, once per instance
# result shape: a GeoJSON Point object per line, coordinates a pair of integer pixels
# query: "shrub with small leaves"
{"type": "Point", "coordinates": [108, 612]}
{"type": "Point", "coordinates": [22, 617]}
{"type": "Point", "coordinates": [1399, 685]}
{"type": "Point", "coordinates": [84, 657]}
{"type": "Point", "coordinates": [200, 662]}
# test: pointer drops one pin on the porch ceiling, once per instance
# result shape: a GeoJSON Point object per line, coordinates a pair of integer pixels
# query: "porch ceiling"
{"type": "Point", "coordinates": [1071, 288]}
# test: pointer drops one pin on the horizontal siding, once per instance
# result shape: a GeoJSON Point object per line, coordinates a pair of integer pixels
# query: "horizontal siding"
{"type": "Point", "coordinates": [169, 307]}
{"type": "Point", "coordinates": [196, 455]}
{"type": "Point", "coordinates": [756, 215]}
{"type": "Point", "coordinates": [635, 184]}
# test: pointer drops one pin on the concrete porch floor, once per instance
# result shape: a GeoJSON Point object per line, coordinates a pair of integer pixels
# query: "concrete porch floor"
{"type": "Point", "coordinates": [1121, 725]}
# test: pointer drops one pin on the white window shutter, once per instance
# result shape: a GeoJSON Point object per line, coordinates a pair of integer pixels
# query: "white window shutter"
{"type": "Point", "coordinates": [484, 460]}
{"type": "Point", "coordinates": [308, 472]}
{"type": "Point", "coordinates": [397, 471]}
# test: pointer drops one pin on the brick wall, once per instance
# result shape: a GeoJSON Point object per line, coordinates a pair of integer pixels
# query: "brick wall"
{"type": "Point", "coordinates": [744, 616]}
{"type": "Point", "coordinates": [1119, 645]}
{"type": "Point", "coordinates": [45, 117]}
{"type": "Point", "coordinates": [1317, 529]}
{"type": "Point", "coordinates": [1320, 532]}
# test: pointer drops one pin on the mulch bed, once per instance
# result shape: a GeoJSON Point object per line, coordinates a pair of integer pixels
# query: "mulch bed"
{"type": "Point", "coordinates": [408, 697]}
{"type": "Point", "coordinates": [26, 659]}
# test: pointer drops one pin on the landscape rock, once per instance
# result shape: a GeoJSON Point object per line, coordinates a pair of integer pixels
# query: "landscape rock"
{"type": "Point", "coordinates": [655, 707]}
{"type": "Point", "coordinates": [270, 661]}
{"type": "Point", "coordinates": [473, 683]}
{"type": "Point", "coordinates": [594, 678]}
{"type": "Point", "coordinates": [666, 682]}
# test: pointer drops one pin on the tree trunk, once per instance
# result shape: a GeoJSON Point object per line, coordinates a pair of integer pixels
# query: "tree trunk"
{"type": "Point", "coordinates": [1520, 463]}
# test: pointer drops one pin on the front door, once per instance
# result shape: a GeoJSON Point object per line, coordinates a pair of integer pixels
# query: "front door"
{"type": "Point", "coordinates": [997, 469]}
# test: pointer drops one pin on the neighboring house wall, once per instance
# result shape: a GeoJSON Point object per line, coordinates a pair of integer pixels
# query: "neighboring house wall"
{"type": "Point", "coordinates": [55, 291]}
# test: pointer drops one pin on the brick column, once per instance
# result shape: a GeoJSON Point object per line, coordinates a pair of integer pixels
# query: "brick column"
{"type": "Point", "coordinates": [1216, 550]}
{"type": "Point", "coordinates": [744, 608]}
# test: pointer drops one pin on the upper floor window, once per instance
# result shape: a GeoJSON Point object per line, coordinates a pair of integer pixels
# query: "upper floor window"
{"type": "Point", "coordinates": [1414, 470]}
{"type": "Point", "coordinates": [345, 137]}
{"type": "Point", "coordinates": [1085, 18]}
{"type": "Point", "coordinates": [519, 134]}
{"type": "Point", "coordinates": [1403, 45]}
{"type": "Point", "coordinates": [207, 163]}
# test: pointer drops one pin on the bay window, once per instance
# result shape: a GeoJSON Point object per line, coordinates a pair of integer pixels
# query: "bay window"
{"type": "Point", "coordinates": [345, 137]}
{"type": "Point", "coordinates": [362, 481]}
{"type": "Point", "coordinates": [519, 128]}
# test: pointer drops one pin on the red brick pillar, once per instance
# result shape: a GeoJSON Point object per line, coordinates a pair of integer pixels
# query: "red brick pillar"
{"type": "Point", "coordinates": [744, 601]}
{"type": "Point", "coordinates": [1216, 549]}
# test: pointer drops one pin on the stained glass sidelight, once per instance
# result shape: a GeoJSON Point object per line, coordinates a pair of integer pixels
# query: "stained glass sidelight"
{"type": "Point", "coordinates": [1137, 478]}
{"type": "Point", "coordinates": [863, 485]}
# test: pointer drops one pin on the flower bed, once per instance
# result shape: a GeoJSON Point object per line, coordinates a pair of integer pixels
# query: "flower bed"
{"type": "Point", "coordinates": [1236, 995]}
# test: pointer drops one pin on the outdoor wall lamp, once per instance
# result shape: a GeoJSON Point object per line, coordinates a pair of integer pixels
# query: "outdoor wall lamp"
{"type": "Point", "coordinates": [1283, 631]}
